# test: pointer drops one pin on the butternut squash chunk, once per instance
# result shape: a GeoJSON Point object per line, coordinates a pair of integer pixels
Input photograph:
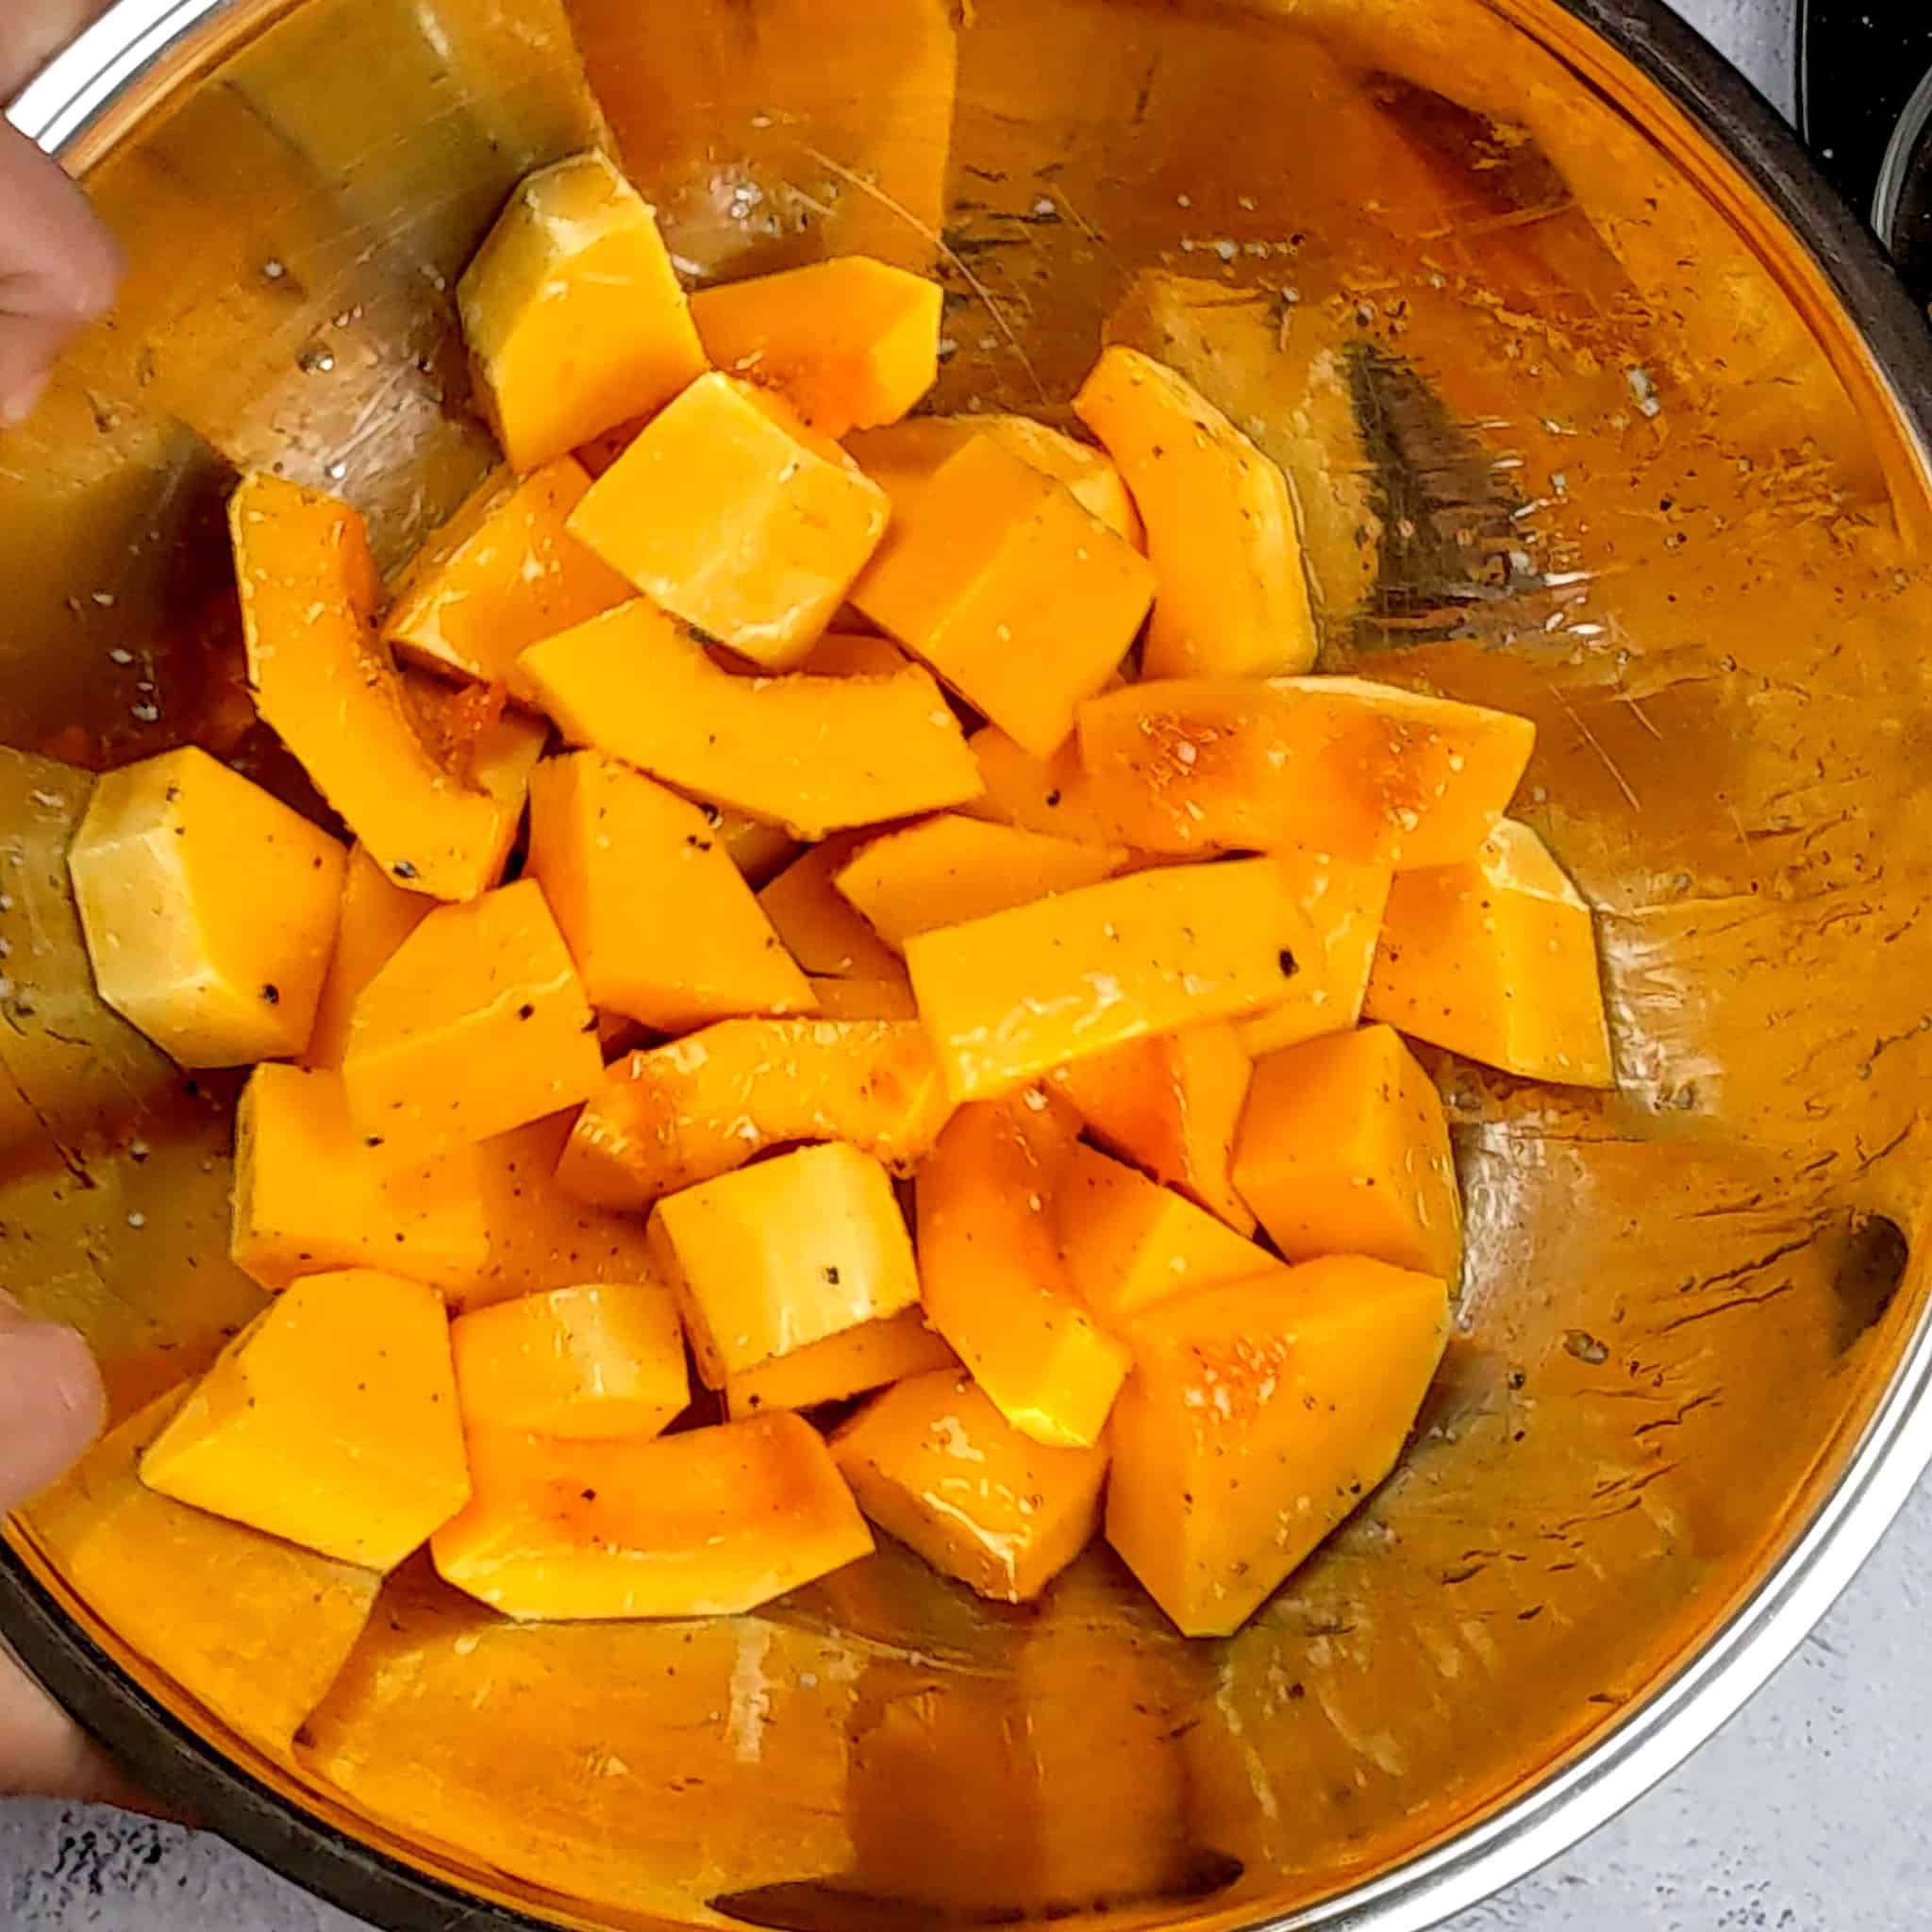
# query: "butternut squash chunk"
{"type": "Point", "coordinates": [849, 342]}
{"type": "Point", "coordinates": [734, 516]}
{"type": "Point", "coordinates": [1257, 1416]}
{"type": "Point", "coordinates": [1231, 597]}
{"type": "Point", "coordinates": [776, 1256]}
{"type": "Point", "coordinates": [992, 1275]}
{"type": "Point", "coordinates": [935, 1463]}
{"type": "Point", "coordinates": [819, 925]}
{"type": "Point", "coordinates": [758, 850]}
{"type": "Point", "coordinates": [208, 908]}
{"type": "Point", "coordinates": [331, 1421]}
{"type": "Point", "coordinates": [1343, 900]}
{"type": "Point", "coordinates": [865, 999]}
{"type": "Point", "coordinates": [574, 315]}
{"type": "Point", "coordinates": [711, 1523]}
{"type": "Point", "coordinates": [1343, 1150]}
{"type": "Point", "coordinates": [1050, 795]}
{"type": "Point", "coordinates": [811, 754]}
{"type": "Point", "coordinates": [1496, 960]}
{"type": "Point", "coordinates": [867, 1356]}
{"type": "Point", "coordinates": [376, 915]}
{"type": "Point", "coordinates": [661, 922]}
{"type": "Point", "coordinates": [1009, 997]}
{"type": "Point", "coordinates": [1332, 764]}
{"type": "Point", "coordinates": [1001, 581]}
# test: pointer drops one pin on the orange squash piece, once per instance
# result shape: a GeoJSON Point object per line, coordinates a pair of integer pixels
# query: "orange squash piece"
{"type": "Point", "coordinates": [867, 1356]}
{"type": "Point", "coordinates": [1343, 900]}
{"type": "Point", "coordinates": [661, 922]}
{"type": "Point", "coordinates": [811, 754]}
{"type": "Point", "coordinates": [502, 573]}
{"type": "Point", "coordinates": [865, 999]}
{"type": "Point", "coordinates": [849, 343]}
{"type": "Point", "coordinates": [711, 1523]}
{"type": "Point", "coordinates": [207, 907]}
{"type": "Point", "coordinates": [1009, 997]}
{"type": "Point", "coordinates": [699, 1107]}
{"type": "Point", "coordinates": [1231, 596]}
{"type": "Point", "coordinates": [1345, 1150]}
{"type": "Point", "coordinates": [819, 925]}
{"type": "Point", "coordinates": [1258, 1415]}
{"type": "Point", "coordinates": [992, 1275]}
{"type": "Point", "coordinates": [1496, 961]}
{"type": "Point", "coordinates": [573, 314]}
{"type": "Point", "coordinates": [733, 515]}
{"type": "Point", "coordinates": [1331, 765]}
{"type": "Point", "coordinates": [1015, 595]}
{"type": "Point", "coordinates": [1051, 796]}
{"type": "Point", "coordinates": [935, 1463]}
{"type": "Point", "coordinates": [376, 915]}
{"type": "Point", "coordinates": [477, 1024]}
{"type": "Point", "coordinates": [758, 850]}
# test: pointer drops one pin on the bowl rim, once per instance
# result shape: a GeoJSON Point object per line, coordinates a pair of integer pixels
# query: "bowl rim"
{"type": "Point", "coordinates": [135, 49]}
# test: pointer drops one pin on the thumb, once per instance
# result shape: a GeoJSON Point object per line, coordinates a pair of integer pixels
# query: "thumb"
{"type": "Point", "coordinates": [51, 1403]}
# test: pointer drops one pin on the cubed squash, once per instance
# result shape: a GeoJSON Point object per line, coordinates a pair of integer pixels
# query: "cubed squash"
{"type": "Point", "coordinates": [661, 922]}
{"type": "Point", "coordinates": [1017, 597]}
{"type": "Point", "coordinates": [1343, 1150]}
{"type": "Point", "coordinates": [329, 688]}
{"type": "Point", "coordinates": [935, 1464]}
{"type": "Point", "coordinates": [572, 312]}
{"type": "Point", "coordinates": [865, 999]}
{"type": "Point", "coordinates": [949, 869]}
{"type": "Point", "coordinates": [376, 915]}
{"type": "Point", "coordinates": [1231, 596]}
{"type": "Point", "coordinates": [312, 1197]}
{"type": "Point", "coordinates": [711, 1523]}
{"type": "Point", "coordinates": [811, 754]}
{"type": "Point", "coordinates": [477, 1024]}
{"type": "Point", "coordinates": [737, 518]}
{"type": "Point", "coordinates": [758, 850]}
{"type": "Point", "coordinates": [1128, 1242]}
{"type": "Point", "coordinates": [853, 654]}
{"type": "Point", "coordinates": [1009, 997]}
{"type": "Point", "coordinates": [209, 909]}
{"type": "Point", "coordinates": [777, 1256]}
{"type": "Point", "coordinates": [992, 1278]}
{"type": "Point", "coordinates": [1258, 1415]}
{"type": "Point", "coordinates": [1345, 900]}
{"type": "Point", "coordinates": [868, 1356]}
{"type": "Point", "coordinates": [699, 1107]}
{"type": "Point", "coordinates": [1051, 796]}
{"type": "Point", "coordinates": [331, 1421]}
{"type": "Point", "coordinates": [576, 1363]}
{"type": "Point", "coordinates": [849, 343]}
{"type": "Point", "coordinates": [502, 573]}
{"type": "Point", "coordinates": [819, 926]}
{"type": "Point", "coordinates": [1332, 764]}
{"type": "Point", "coordinates": [1496, 961]}
{"type": "Point", "coordinates": [1170, 1105]}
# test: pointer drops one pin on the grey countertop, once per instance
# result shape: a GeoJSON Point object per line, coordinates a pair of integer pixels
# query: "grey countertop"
{"type": "Point", "coordinates": [1803, 1814]}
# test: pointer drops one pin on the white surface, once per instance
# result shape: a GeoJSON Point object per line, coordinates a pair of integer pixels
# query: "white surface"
{"type": "Point", "coordinates": [1798, 1815]}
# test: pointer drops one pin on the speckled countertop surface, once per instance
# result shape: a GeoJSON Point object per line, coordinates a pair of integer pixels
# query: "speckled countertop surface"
{"type": "Point", "coordinates": [1806, 1812]}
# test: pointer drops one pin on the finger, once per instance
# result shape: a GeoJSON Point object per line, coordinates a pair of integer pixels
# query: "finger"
{"type": "Point", "coordinates": [44, 1753]}
{"type": "Point", "coordinates": [31, 33]}
{"type": "Point", "coordinates": [51, 1403]}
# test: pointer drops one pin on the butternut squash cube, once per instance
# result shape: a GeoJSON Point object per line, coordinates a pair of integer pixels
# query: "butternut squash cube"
{"type": "Point", "coordinates": [1170, 1105]}
{"type": "Point", "coordinates": [1015, 595]}
{"type": "Point", "coordinates": [700, 1106]}
{"type": "Point", "coordinates": [819, 925]}
{"type": "Point", "coordinates": [576, 1363]}
{"type": "Point", "coordinates": [502, 573]}
{"type": "Point", "coordinates": [865, 999]}
{"type": "Point", "coordinates": [1257, 1416]}
{"type": "Point", "coordinates": [711, 1523]}
{"type": "Point", "coordinates": [1009, 997]}
{"type": "Point", "coordinates": [1343, 900]}
{"type": "Point", "coordinates": [207, 907]}
{"type": "Point", "coordinates": [1496, 961]}
{"type": "Point", "coordinates": [949, 869]}
{"type": "Point", "coordinates": [572, 312]}
{"type": "Point", "coordinates": [331, 1421]}
{"type": "Point", "coordinates": [329, 688]}
{"type": "Point", "coordinates": [376, 915]}
{"type": "Point", "coordinates": [934, 1463]}
{"type": "Point", "coordinates": [1332, 764]}
{"type": "Point", "coordinates": [848, 1363]}
{"type": "Point", "coordinates": [811, 754]}
{"type": "Point", "coordinates": [1231, 596]}
{"type": "Point", "coordinates": [992, 1275]}
{"type": "Point", "coordinates": [776, 1256]}
{"type": "Point", "coordinates": [1343, 1150]}
{"type": "Point", "coordinates": [312, 1197]}
{"type": "Point", "coordinates": [661, 922]}
{"type": "Point", "coordinates": [477, 1024]}
{"type": "Point", "coordinates": [734, 516]}
{"type": "Point", "coordinates": [1128, 1242]}
{"type": "Point", "coordinates": [758, 850]}
{"type": "Point", "coordinates": [1051, 796]}
{"type": "Point", "coordinates": [849, 343]}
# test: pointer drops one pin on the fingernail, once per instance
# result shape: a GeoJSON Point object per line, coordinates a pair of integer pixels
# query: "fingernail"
{"type": "Point", "coordinates": [55, 1408]}
{"type": "Point", "coordinates": [23, 402]}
